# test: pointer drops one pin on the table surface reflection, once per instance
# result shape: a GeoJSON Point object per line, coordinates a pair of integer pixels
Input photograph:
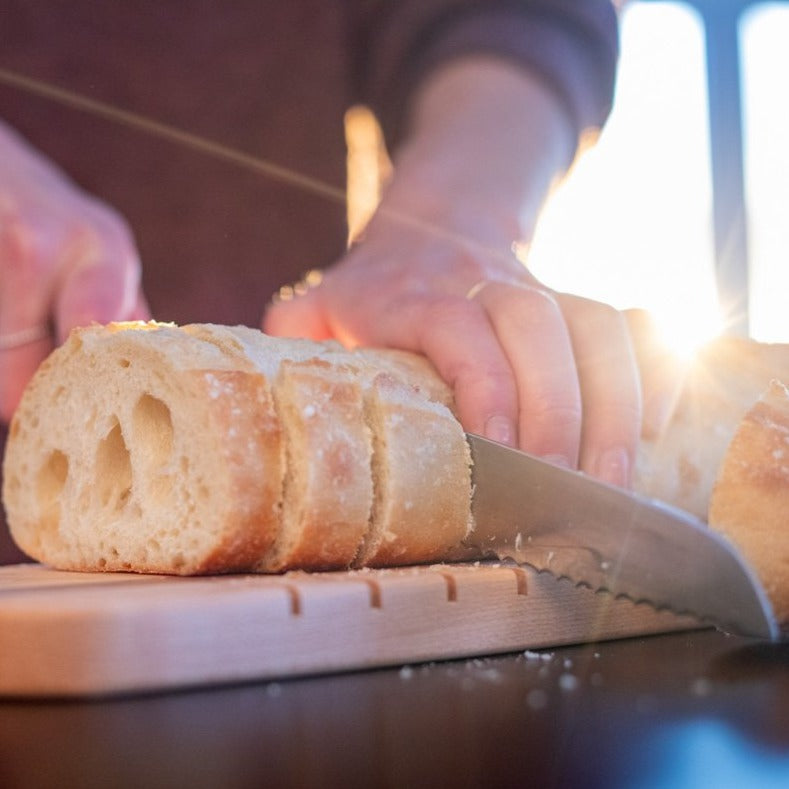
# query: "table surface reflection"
{"type": "Point", "coordinates": [689, 709]}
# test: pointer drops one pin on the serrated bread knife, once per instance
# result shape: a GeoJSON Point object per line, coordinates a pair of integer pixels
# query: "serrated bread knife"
{"type": "Point", "coordinates": [606, 538]}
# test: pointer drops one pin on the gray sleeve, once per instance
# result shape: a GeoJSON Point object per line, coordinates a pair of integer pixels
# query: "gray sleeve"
{"type": "Point", "coordinates": [571, 44]}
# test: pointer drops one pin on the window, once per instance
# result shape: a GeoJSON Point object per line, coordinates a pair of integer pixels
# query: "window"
{"type": "Point", "coordinates": [635, 222]}
{"type": "Point", "coordinates": [764, 35]}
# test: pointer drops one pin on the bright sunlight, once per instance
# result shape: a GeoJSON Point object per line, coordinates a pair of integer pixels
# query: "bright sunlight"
{"type": "Point", "coordinates": [632, 225]}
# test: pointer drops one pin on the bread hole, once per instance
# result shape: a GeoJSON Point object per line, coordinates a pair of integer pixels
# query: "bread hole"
{"type": "Point", "coordinates": [153, 429]}
{"type": "Point", "coordinates": [50, 482]}
{"type": "Point", "coordinates": [124, 362]}
{"type": "Point", "coordinates": [114, 473]}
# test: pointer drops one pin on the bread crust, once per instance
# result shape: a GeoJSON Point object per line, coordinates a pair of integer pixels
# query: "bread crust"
{"type": "Point", "coordinates": [205, 449]}
{"type": "Point", "coordinates": [750, 499]}
{"type": "Point", "coordinates": [680, 464]}
{"type": "Point", "coordinates": [111, 420]}
{"type": "Point", "coordinates": [421, 464]}
{"type": "Point", "coordinates": [328, 489]}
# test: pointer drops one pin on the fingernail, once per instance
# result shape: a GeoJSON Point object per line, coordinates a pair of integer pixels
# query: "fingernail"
{"type": "Point", "coordinates": [500, 429]}
{"type": "Point", "coordinates": [558, 460]}
{"type": "Point", "coordinates": [613, 466]}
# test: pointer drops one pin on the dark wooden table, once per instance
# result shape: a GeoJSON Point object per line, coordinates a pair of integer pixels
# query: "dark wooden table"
{"type": "Point", "coordinates": [697, 709]}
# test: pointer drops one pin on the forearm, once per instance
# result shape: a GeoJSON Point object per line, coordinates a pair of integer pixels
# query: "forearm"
{"type": "Point", "coordinates": [486, 140]}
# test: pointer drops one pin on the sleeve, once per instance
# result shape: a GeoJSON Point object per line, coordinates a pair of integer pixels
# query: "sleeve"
{"type": "Point", "coordinates": [571, 44]}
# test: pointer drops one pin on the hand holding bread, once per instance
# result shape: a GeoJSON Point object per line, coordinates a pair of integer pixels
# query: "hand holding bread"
{"type": "Point", "coordinates": [201, 449]}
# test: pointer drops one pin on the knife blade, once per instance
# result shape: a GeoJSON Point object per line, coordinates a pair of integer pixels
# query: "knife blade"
{"type": "Point", "coordinates": [606, 538]}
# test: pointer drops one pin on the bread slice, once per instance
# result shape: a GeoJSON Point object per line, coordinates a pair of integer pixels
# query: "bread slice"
{"type": "Point", "coordinates": [203, 448]}
{"type": "Point", "coordinates": [144, 449]}
{"type": "Point", "coordinates": [750, 499]}
{"type": "Point", "coordinates": [421, 467]}
{"type": "Point", "coordinates": [328, 488]}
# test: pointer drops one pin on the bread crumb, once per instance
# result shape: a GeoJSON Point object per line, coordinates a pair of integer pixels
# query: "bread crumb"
{"type": "Point", "coordinates": [568, 682]}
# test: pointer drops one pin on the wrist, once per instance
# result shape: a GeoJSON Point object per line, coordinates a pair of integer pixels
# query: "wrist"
{"type": "Point", "coordinates": [486, 140]}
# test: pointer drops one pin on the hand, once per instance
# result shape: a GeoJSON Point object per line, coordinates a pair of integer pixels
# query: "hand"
{"type": "Point", "coordinates": [551, 373]}
{"type": "Point", "coordinates": [65, 260]}
{"type": "Point", "coordinates": [435, 274]}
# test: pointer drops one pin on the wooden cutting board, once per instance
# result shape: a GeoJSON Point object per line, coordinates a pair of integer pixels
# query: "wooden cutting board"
{"type": "Point", "coordinates": [73, 634]}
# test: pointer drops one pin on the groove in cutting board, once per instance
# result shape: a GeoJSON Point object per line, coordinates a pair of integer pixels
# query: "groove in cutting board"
{"type": "Point", "coordinates": [67, 634]}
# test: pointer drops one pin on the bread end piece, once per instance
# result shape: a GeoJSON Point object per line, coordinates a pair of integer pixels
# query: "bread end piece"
{"type": "Point", "coordinates": [141, 448]}
{"type": "Point", "coordinates": [750, 499]}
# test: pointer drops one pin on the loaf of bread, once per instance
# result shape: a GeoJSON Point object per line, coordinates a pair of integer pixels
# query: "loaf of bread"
{"type": "Point", "coordinates": [203, 448]}
{"type": "Point", "coordinates": [723, 453]}
{"type": "Point", "coordinates": [750, 498]}
{"type": "Point", "coordinates": [679, 464]}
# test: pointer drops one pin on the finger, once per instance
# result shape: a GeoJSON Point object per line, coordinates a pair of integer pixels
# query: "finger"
{"type": "Point", "coordinates": [24, 308]}
{"type": "Point", "coordinates": [17, 366]}
{"type": "Point", "coordinates": [457, 336]}
{"type": "Point", "coordinates": [662, 372]}
{"type": "Point", "coordinates": [531, 330]}
{"type": "Point", "coordinates": [610, 389]}
{"type": "Point", "coordinates": [100, 272]}
{"type": "Point", "coordinates": [298, 316]}
{"type": "Point", "coordinates": [99, 291]}
{"type": "Point", "coordinates": [141, 311]}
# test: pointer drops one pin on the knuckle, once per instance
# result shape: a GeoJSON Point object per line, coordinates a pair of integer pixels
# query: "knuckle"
{"type": "Point", "coordinates": [486, 383]}
{"type": "Point", "coordinates": [620, 418]}
{"type": "Point", "coordinates": [447, 312]}
{"type": "Point", "coordinates": [557, 413]}
{"type": "Point", "coordinates": [599, 314]}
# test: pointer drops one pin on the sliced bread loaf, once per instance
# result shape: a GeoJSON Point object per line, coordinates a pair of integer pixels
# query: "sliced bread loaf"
{"type": "Point", "coordinates": [197, 449]}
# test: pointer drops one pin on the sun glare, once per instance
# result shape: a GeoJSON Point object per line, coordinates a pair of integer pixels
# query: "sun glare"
{"type": "Point", "coordinates": [764, 33]}
{"type": "Point", "coordinates": [632, 224]}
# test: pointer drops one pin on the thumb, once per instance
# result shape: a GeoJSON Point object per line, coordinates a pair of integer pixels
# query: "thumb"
{"type": "Point", "coordinates": [99, 292]}
{"type": "Point", "coordinates": [298, 316]}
